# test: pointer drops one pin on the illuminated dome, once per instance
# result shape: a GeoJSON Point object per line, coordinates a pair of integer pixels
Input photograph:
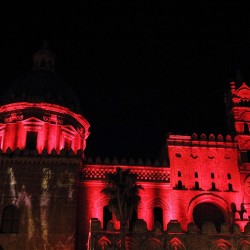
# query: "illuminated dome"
{"type": "Point", "coordinates": [41, 84]}
{"type": "Point", "coordinates": [40, 112]}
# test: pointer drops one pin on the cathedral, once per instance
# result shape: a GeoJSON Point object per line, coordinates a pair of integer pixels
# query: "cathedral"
{"type": "Point", "coordinates": [196, 197]}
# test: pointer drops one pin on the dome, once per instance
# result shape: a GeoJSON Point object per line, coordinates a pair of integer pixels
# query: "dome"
{"type": "Point", "coordinates": [41, 84]}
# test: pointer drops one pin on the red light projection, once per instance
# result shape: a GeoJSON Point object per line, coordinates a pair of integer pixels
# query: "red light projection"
{"type": "Point", "coordinates": [203, 188]}
{"type": "Point", "coordinates": [39, 126]}
{"type": "Point", "coordinates": [201, 171]}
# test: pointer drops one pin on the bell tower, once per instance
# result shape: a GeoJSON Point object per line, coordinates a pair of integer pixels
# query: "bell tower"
{"type": "Point", "coordinates": [238, 104]}
{"type": "Point", "coordinates": [238, 114]}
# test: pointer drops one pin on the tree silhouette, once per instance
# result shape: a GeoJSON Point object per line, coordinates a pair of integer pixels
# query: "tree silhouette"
{"type": "Point", "coordinates": [123, 194]}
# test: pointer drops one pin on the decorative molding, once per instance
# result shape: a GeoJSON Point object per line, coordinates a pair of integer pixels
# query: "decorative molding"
{"type": "Point", "coordinates": [13, 117]}
{"type": "Point", "coordinates": [147, 175]}
{"type": "Point", "coordinates": [53, 118]}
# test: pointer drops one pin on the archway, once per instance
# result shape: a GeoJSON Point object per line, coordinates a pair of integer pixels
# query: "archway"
{"type": "Point", "coordinates": [205, 212]}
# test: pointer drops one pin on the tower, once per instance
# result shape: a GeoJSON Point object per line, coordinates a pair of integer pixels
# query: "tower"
{"type": "Point", "coordinates": [239, 113]}
{"type": "Point", "coordinates": [42, 142]}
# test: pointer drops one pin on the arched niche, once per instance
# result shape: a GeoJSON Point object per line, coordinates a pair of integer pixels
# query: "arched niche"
{"type": "Point", "coordinates": [209, 198]}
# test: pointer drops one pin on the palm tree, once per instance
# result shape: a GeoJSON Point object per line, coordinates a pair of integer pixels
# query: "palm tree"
{"type": "Point", "coordinates": [123, 194]}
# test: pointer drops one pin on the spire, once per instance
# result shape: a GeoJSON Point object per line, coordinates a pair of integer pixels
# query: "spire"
{"type": "Point", "coordinates": [44, 59]}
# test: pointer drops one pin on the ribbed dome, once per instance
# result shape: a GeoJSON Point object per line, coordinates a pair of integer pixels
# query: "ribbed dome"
{"type": "Point", "coordinates": [41, 84]}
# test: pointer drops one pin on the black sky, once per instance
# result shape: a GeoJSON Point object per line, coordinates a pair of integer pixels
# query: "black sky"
{"type": "Point", "coordinates": [141, 69]}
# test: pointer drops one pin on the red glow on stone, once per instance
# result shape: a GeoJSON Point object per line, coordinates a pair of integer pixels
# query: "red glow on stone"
{"type": "Point", "coordinates": [49, 121]}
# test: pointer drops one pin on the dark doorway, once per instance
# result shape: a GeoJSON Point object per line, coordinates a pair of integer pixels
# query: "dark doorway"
{"type": "Point", "coordinates": [208, 212]}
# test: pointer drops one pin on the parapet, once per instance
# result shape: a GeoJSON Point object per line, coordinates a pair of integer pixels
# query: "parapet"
{"type": "Point", "coordinates": [202, 139]}
{"type": "Point", "coordinates": [125, 162]}
{"type": "Point", "coordinates": [141, 238]}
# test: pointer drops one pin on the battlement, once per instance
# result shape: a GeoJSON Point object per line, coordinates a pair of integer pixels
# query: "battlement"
{"type": "Point", "coordinates": [172, 238]}
{"type": "Point", "coordinates": [124, 162]}
{"type": "Point", "coordinates": [203, 140]}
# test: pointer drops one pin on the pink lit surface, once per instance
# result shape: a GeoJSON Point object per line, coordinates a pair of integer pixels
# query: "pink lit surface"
{"type": "Point", "coordinates": [51, 130]}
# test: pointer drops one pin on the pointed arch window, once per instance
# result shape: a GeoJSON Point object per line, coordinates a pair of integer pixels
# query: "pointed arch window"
{"type": "Point", "coordinates": [158, 215]}
{"type": "Point", "coordinates": [107, 216]}
{"type": "Point", "coordinates": [179, 185]}
{"type": "Point", "coordinates": [230, 187]}
{"type": "Point", "coordinates": [10, 220]}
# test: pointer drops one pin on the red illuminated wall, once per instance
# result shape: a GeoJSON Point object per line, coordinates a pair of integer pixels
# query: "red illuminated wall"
{"type": "Point", "coordinates": [42, 151]}
{"type": "Point", "coordinates": [191, 160]}
{"type": "Point", "coordinates": [204, 169]}
{"type": "Point", "coordinates": [208, 171]}
{"type": "Point", "coordinates": [56, 126]}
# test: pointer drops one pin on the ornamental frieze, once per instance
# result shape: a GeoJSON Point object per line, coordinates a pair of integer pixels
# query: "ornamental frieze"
{"type": "Point", "coordinates": [93, 173]}
{"type": "Point", "coordinates": [13, 117]}
{"type": "Point", "coordinates": [53, 118]}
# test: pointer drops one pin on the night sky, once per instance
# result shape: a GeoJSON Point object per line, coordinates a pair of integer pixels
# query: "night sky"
{"type": "Point", "coordinates": [140, 69]}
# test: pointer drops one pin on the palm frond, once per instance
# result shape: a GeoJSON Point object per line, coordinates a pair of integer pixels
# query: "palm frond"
{"type": "Point", "coordinates": [123, 193]}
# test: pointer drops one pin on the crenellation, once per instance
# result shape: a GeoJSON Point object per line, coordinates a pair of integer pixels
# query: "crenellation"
{"type": "Point", "coordinates": [125, 162]}
{"type": "Point", "coordinates": [207, 238]}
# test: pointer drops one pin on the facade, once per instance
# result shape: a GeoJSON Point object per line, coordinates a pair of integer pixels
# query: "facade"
{"type": "Point", "coordinates": [50, 194]}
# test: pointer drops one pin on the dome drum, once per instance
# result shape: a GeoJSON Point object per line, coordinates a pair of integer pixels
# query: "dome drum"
{"type": "Point", "coordinates": [41, 126]}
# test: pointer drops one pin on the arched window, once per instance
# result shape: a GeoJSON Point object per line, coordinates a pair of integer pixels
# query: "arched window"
{"type": "Point", "coordinates": [229, 176]}
{"type": "Point", "coordinates": [230, 187]}
{"type": "Point", "coordinates": [196, 185]}
{"type": "Point", "coordinates": [107, 216]}
{"type": "Point", "coordinates": [196, 175]}
{"type": "Point", "coordinates": [179, 186]}
{"type": "Point", "coordinates": [212, 175]}
{"type": "Point", "coordinates": [158, 215]}
{"type": "Point", "coordinates": [10, 220]}
{"type": "Point", "coordinates": [179, 173]}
